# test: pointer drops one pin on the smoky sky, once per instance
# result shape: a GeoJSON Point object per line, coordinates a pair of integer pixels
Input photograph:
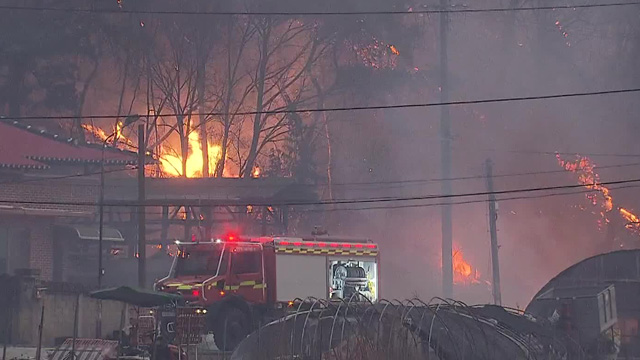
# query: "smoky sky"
{"type": "Point", "coordinates": [491, 55]}
{"type": "Point", "coordinates": [499, 55]}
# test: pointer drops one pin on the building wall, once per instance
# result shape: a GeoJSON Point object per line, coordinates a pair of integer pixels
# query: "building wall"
{"type": "Point", "coordinates": [59, 315]}
{"type": "Point", "coordinates": [45, 206]}
{"type": "Point", "coordinates": [41, 247]}
{"type": "Point", "coordinates": [51, 195]}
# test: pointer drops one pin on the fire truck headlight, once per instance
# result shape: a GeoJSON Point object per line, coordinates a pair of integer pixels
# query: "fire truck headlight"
{"type": "Point", "coordinates": [204, 311]}
{"type": "Point", "coordinates": [198, 311]}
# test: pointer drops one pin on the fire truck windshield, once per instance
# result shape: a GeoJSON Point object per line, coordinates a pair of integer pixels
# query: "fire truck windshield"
{"type": "Point", "coordinates": [200, 262]}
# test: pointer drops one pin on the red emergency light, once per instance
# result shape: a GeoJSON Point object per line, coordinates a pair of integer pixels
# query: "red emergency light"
{"type": "Point", "coordinates": [195, 293]}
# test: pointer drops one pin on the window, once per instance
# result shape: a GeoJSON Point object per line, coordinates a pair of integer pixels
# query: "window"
{"type": "Point", "coordinates": [191, 263]}
{"type": "Point", "coordinates": [14, 249]}
{"type": "Point", "coordinates": [246, 262]}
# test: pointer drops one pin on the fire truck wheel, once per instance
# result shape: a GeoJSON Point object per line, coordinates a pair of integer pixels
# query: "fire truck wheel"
{"type": "Point", "coordinates": [231, 329]}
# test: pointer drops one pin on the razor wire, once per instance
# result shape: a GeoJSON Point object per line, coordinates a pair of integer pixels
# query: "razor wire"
{"type": "Point", "coordinates": [442, 329]}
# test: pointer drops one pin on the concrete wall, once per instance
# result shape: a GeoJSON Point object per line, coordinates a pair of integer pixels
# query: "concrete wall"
{"type": "Point", "coordinates": [59, 313]}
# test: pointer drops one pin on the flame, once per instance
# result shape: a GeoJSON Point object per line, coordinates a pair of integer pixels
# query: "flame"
{"type": "Point", "coordinates": [375, 53]}
{"type": "Point", "coordinates": [633, 222]}
{"type": "Point", "coordinates": [171, 164]}
{"type": "Point", "coordinates": [121, 140]}
{"type": "Point", "coordinates": [585, 168]}
{"type": "Point", "coordinates": [463, 272]}
{"type": "Point", "coordinates": [256, 172]}
{"type": "Point", "coordinates": [97, 132]}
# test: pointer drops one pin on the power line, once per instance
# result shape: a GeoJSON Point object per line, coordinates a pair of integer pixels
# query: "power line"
{"type": "Point", "coordinates": [64, 177]}
{"type": "Point", "coordinates": [479, 177]}
{"type": "Point", "coordinates": [409, 206]}
{"type": "Point", "coordinates": [347, 108]}
{"type": "Point", "coordinates": [317, 13]}
{"type": "Point", "coordinates": [466, 202]}
{"type": "Point", "coordinates": [345, 184]}
{"type": "Point", "coordinates": [198, 202]}
{"type": "Point", "coordinates": [539, 152]}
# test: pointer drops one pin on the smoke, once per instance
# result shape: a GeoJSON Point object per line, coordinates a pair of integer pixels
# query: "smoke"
{"type": "Point", "coordinates": [491, 55]}
{"type": "Point", "coordinates": [498, 55]}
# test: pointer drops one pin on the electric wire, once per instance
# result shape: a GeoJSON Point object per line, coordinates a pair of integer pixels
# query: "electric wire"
{"type": "Point", "coordinates": [199, 202]}
{"type": "Point", "coordinates": [316, 185]}
{"type": "Point", "coordinates": [62, 177]}
{"type": "Point", "coordinates": [347, 108]}
{"type": "Point", "coordinates": [316, 13]}
{"type": "Point", "coordinates": [541, 152]}
{"type": "Point", "coordinates": [412, 206]}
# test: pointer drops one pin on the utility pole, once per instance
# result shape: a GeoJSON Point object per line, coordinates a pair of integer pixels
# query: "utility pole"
{"type": "Point", "coordinates": [493, 217]}
{"type": "Point", "coordinates": [445, 160]}
{"type": "Point", "coordinates": [142, 243]}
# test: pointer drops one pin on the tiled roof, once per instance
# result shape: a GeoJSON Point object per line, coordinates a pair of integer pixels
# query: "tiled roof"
{"type": "Point", "coordinates": [24, 146]}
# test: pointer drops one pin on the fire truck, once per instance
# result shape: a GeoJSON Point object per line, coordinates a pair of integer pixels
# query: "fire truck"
{"type": "Point", "coordinates": [242, 281]}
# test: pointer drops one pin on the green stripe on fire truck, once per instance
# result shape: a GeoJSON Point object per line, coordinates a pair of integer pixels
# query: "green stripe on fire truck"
{"type": "Point", "coordinates": [251, 283]}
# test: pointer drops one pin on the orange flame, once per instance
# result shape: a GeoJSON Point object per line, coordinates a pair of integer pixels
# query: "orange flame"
{"type": "Point", "coordinates": [585, 169]}
{"type": "Point", "coordinates": [256, 172]}
{"type": "Point", "coordinates": [587, 176]}
{"type": "Point", "coordinates": [633, 222]}
{"type": "Point", "coordinates": [394, 50]}
{"type": "Point", "coordinates": [171, 164]}
{"type": "Point", "coordinates": [463, 272]}
{"type": "Point", "coordinates": [121, 140]}
{"type": "Point", "coordinates": [97, 132]}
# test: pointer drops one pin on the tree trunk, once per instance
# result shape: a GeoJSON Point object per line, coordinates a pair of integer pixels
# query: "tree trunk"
{"type": "Point", "coordinates": [78, 131]}
{"type": "Point", "coordinates": [327, 133]}
{"type": "Point", "coordinates": [184, 144]}
{"type": "Point", "coordinates": [227, 105]}
{"type": "Point", "coordinates": [223, 154]}
{"type": "Point", "coordinates": [257, 120]}
{"type": "Point", "coordinates": [204, 139]}
{"type": "Point", "coordinates": [123, 89]}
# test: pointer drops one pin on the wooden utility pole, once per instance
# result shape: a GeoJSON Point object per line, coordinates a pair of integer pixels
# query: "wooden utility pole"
{"type": "Point", "coordinates": [142, 243]}
{"type": "Point", "coordinates": [40, 328]}
{"type": "Point", "coordinates": [493, 218]}
{"type": "Point", "coordinates": [445, 160]}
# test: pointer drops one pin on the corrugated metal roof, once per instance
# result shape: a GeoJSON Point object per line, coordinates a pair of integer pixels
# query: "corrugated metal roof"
{"type": "Point", "coordinates": [27, 147]}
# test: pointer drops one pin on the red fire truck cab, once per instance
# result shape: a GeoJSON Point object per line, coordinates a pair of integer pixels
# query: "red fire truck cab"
{"type": "Point", "coordinates": [246, 281]}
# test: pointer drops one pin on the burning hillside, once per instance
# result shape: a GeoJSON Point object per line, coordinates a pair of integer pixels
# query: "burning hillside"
{"type": "Point", "coordinates": [601, 195]}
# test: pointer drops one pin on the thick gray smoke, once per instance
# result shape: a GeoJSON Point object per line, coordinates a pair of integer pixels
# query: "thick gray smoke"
{"type": "Point", "coordinates": [491, 56]}
{"type": "Point", "coordinates": [105, 65]}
